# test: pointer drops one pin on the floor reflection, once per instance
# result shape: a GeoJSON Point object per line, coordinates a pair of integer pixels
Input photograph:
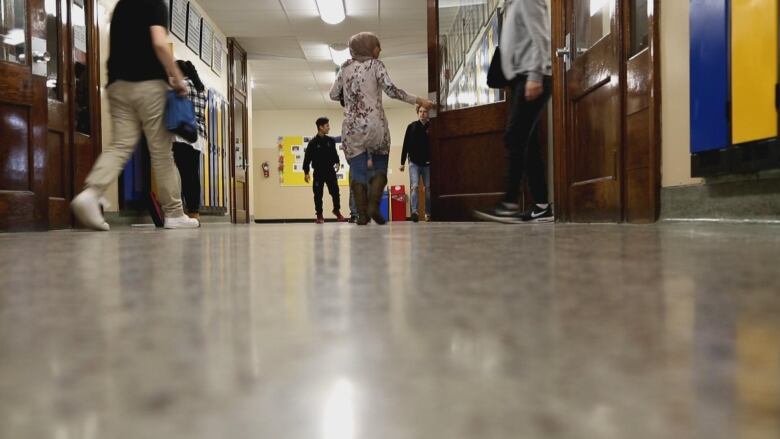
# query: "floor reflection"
{"type": "Point", "coordinates": [435, 330]}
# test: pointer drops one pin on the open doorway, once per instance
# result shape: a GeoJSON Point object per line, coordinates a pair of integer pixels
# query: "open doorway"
{"type": "Point", "coordinates": [605, 109]}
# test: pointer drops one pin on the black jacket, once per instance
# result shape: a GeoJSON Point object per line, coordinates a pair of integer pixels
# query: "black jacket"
{"type": "Point", "coordinates": [321, 155]}
{"type": "Point", "coordinates": [417, 145]}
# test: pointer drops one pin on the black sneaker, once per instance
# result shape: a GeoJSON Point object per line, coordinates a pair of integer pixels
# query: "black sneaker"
{"type": "Point", "coordinates": [415, 217]}
{"type": "Point", "coordinates": [352, 219]}
{"type": "Point", "coordinates": [502, 213]}
{"type": "Point", "coordinates": [538, 214]}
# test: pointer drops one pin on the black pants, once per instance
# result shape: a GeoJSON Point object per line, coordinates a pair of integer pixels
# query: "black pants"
{"type": "Point", "coordinates": [188, 161]}
{"type": "Point", "coordinates": [522, 143]}
{"type": "Point", "coordinates": [320, 181]}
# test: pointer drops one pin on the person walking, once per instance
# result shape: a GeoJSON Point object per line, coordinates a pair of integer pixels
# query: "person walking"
{"type": "Point", "coordinates": [185, 154]}
{"type": "Point", "coordinates": [417, 147]}
{"type": "Point", "coordinates": [321, 154]}
{"type": "Point", "coordinates": [526, 63]}
{"type": "Point", "coordinates": [141, 71]}
{"type": "Point", "coordinates": [365, 132]}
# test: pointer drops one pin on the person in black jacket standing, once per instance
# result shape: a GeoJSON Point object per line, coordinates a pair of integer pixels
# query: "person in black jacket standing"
{"type": "Point", "coordinates": [321, 154]}
{"type": "Point", "coordinates": [417, 147]}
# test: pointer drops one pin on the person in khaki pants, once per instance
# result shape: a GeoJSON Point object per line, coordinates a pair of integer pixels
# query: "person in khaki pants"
{"type": "Point", "coordinates": [141, 70]}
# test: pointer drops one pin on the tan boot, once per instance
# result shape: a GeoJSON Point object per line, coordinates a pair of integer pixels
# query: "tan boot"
{"type": "Point", "coordinates": [360, 192]}
{"type": "Point", "coordinates": [376, 187]}
{"type": "Point", "coordinates": [195, 215]}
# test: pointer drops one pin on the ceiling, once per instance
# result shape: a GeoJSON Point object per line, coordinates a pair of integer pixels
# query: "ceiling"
{"type": "Point", "coordinates": [287, 46]}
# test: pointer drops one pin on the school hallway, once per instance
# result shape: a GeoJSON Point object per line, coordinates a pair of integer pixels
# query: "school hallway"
{"type": "Point", "coordinates": [427, 331]}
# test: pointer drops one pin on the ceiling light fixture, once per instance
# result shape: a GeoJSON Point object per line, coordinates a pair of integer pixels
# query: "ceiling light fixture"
{"type": "Point", "coordinates": [339, 55]}
{"type": "Point", "coordinates": [332, 11]}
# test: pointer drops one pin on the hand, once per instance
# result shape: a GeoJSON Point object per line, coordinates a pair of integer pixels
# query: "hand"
{"type": "Point", "coordinates": [306, 178]}
{"type": "Point", "coordinates": [179, 85]}
{"type": "Point", "coordinates": [402, 168]}
{"type": "Point", "coordinates": [425, 103]}
{"type": "Point", "coordinates": [533, 89]}
{"type": "Point", "coordinates": [370, 164]}
{"type": "Point", "coordinates": [336, 167]}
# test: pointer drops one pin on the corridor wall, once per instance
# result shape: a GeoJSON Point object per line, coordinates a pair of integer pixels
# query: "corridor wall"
{"type": "Point", "coordinates": [212, 80]}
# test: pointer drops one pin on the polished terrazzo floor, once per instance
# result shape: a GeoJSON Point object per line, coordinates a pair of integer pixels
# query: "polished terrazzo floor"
{"type": "Point", "coordinates": [429, 331]}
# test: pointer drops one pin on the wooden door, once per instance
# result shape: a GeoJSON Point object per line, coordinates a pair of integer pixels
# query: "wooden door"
{"type": "Point", "coordinates": [239, 133]}
{"type": "Point", "coordinates": [59, 134]}
{"type": "Point", "coordinates": [23, 155]}
{"type": "Point", "coordinates": [593, 112]}
{"type": "Point", "coordinates": [468, 157]}
{"type": "Point", "coordinates": [73, 137]}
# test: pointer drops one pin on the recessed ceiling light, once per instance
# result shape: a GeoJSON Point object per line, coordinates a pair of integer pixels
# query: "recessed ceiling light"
{"type": "Point", "coordinates": [332, 11]}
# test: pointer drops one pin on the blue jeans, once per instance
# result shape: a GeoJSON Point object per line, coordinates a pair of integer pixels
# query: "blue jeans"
{"type": "Point", "coordinates": [415, 171]}
{"type": "Point", "coordinates": [352, 205]}
{"type": "Point", "coordinates": [358, 167]}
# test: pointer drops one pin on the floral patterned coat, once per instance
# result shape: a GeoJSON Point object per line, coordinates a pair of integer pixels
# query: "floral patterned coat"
{"type": "Point", "coordinates": [359, 86]}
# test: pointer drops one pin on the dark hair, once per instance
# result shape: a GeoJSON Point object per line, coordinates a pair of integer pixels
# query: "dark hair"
{"type": "Point", "coordinates": [322, 121]}
{"type": "Point", "coordinates": [190, 72]}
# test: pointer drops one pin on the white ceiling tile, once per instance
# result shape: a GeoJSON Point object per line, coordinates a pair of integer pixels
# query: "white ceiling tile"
{"type": "Point", "coordinates": [287, 45]}
{"type": "Point", "coordinates": [300, 5]}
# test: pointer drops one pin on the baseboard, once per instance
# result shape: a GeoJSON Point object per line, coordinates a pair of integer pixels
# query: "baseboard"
{"type": "Point", "coordinates": [292, 221]}
{"type": "Point", "coordinates": [128, 218]}
{"type": "Point", "coordinates": [740, 199]}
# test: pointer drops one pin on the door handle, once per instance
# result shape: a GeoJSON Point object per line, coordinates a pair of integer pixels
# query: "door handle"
{"type": "Point", "coordinates": [39, 57]}
{"type": "Point", "coordinates": [565, 52]}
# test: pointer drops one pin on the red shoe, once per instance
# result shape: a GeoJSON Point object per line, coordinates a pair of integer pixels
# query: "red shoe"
{"type": "Point", "coordinates": [339, 217]}
{"type": "Point", "coordinates": [320, 219]}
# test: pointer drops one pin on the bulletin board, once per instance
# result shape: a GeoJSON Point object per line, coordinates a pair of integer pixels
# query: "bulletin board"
{"type": "Point", "coordinates": [291, 154]}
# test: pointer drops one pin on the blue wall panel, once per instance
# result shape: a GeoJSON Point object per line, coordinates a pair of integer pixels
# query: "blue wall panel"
{"type": "Point", "coordinates": [710, 87]}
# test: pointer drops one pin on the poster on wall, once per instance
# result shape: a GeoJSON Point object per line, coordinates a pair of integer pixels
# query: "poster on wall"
{"type": "Point", "coordinates": [292, 151]}
{"type": "Point", "coordinates": [179, 18]}
{"type": "Point", "coordinates": [217, 57]}
{"type": "Point", "coordinates": [206, 42]}
{"type": "Point", "coordinates": [193, 29]}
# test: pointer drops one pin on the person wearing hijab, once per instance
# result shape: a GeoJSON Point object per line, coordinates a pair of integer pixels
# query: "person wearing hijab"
{"type": "Point", "coordinates": [365, 132]}
{"type": "Point", "coordinates": [185, 154]}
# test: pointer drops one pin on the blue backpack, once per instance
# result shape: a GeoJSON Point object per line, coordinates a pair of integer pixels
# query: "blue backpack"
{"type": "Point", "coordinates": [180, 117]}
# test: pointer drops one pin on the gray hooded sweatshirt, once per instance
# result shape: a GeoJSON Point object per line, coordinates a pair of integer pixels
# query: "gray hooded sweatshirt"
{"type": "Point", "coordinates": [525, 40]}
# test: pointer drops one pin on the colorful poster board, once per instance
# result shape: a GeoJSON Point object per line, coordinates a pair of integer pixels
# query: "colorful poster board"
{"type": "Point", "coordinates": [291, 154]}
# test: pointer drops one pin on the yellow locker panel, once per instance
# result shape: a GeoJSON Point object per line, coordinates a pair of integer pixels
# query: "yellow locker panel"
{"type": "Point", "coordinates": [753, 69]}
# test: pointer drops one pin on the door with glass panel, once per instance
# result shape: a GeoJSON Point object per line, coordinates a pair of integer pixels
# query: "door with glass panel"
{"type": "Point", "coordinates": [239, 133]}
{"type": "Point", "coordinates": [593, 111]}
{"type": "Point", "coordinates": [72, 90]}
{"type": "Point", "coordinates": [468, 165]}
{"type": "Point", "coordinates": [23, 75]}
{"type": "Point", "coordinates": [58, 139]}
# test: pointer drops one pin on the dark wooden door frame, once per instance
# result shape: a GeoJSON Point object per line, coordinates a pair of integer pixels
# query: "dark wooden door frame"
{"type": "Point", "coordinates": [26, 206]}
{"type": "Point", "coordinates": [79, 162]}
{"type": "Point", "coordinates": [237, 92]}
{"type": "Point", "coordinates": [559, 100]}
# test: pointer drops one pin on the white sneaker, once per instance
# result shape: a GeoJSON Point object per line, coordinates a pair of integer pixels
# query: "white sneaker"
{"type": "Point", "coordinates": [181, 222]}
{"type": "Point", "coordinates": [86, 207]}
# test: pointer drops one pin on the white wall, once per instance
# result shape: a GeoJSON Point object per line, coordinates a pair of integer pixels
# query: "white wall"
{"type": "Point", "coordinates": [273, 201]}
{"type": "Point", "coordinates": [180, 51]}
{"type": "Point", "coordinates": [675, 95]}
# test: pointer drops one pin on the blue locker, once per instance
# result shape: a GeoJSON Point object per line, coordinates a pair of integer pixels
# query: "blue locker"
{"type": "Point", "coordinates": [710, 80]}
